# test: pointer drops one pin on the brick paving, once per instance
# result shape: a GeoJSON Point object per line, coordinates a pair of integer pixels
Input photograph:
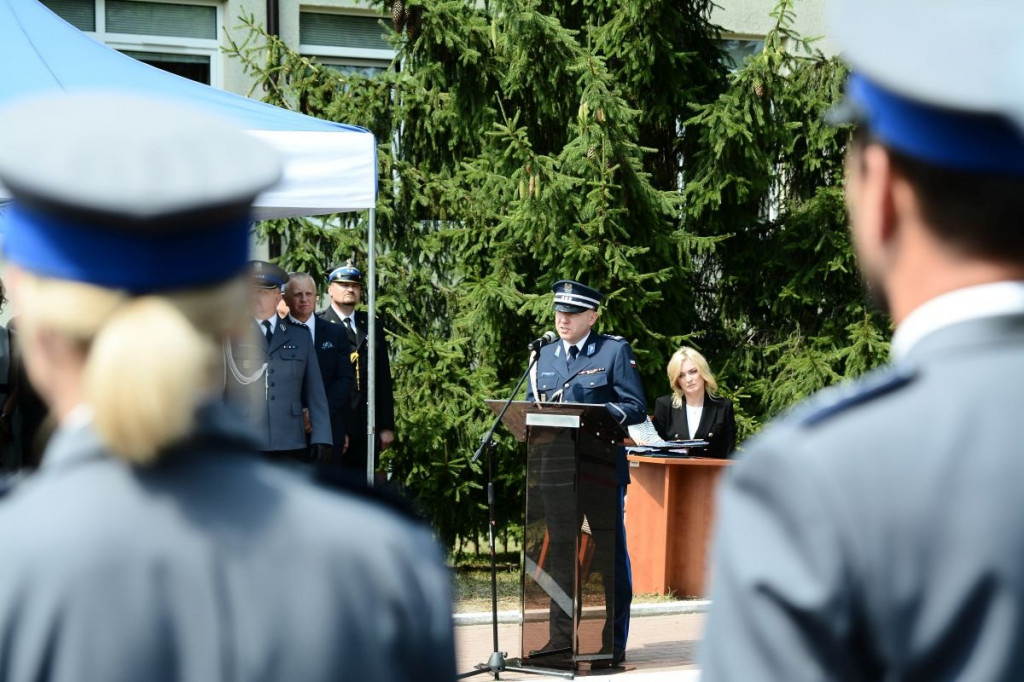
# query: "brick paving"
{"type": "Point", "coordinates": [660, 647]}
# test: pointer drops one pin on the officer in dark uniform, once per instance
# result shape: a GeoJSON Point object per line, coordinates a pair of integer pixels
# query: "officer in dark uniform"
{"type": "Point", "coordinates": [345, 287]}
{"type": "Point", "coordinates": [153, 543]}
{"type": "Point", "coordinates": [587, 367]}
{"type": "Point", "coordinates": [333, 354]}
{"type": "Point", "coordinates": [876, 532]}
{"type": "Point", "coordinates": [275, 378]}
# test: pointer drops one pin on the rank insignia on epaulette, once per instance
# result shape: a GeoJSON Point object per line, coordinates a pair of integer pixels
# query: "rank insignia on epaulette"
{"type": "Point", "coordinates": [869, 387]}
{"type": "Point", "coordinates": [290, 346]}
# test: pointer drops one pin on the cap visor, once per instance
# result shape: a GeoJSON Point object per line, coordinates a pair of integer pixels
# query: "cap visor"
{"type": "Point", "coordinates": [566, 308]}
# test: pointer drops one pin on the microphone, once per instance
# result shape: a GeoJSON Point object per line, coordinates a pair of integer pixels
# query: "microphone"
{"type": "Point", "coordinates": [536, 344]}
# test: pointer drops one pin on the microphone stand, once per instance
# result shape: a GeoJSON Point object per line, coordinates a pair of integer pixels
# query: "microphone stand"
{"type": "Point", "coordinates": [497, 663]}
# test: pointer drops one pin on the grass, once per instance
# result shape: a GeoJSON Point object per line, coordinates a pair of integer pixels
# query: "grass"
{"type": "Point", "coordinates": [473, 585]}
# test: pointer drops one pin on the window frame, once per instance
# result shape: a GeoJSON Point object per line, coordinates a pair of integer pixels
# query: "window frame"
{"type": "Point", "coordinates": [341, 56]}
{"type": "Point", "coordinates": [140, 42]}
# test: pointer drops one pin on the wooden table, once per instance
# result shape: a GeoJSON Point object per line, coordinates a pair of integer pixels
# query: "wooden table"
{"type": "Point", "coordinates": [670, 508]}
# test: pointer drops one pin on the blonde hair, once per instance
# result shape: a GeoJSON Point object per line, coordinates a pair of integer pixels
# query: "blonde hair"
{"type": "Point", "coordinates": [703, 369]}
{"type": "Point", "coordinates": [149, 360]}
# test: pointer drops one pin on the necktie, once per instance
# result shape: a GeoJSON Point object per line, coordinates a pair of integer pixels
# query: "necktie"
{"type": "Point", "coordinates": [350, 330]}
{"type": "Point", "coordinates": [573, 352]}
{"type": "Point", "coordinates": [270, 332]}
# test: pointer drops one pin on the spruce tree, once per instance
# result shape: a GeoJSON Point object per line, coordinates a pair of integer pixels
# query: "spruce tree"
{"type": "Point", "coordinates": [781, 302]}
{"type": "Point", "coordinates": [525, 141]}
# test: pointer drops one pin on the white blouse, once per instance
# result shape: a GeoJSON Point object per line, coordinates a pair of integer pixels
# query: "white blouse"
{"type": "Point", "coordinates": [693, 415]}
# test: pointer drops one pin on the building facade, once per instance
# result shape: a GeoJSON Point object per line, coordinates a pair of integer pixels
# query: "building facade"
{"type": "Point", "coordinates": [187, 36]}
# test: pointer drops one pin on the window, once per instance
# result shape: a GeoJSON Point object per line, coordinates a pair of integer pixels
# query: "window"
{"type": "Point", "coordinates": [350, 43]}
{"type": "Point", "coordinates": [180, 37]}
{"type": "Point", "coordinates": [739, 50]}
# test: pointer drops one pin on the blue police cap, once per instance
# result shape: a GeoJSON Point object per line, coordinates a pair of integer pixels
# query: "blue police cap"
{"type": "Point", "coordinates": [573, 297]}
{"type": "Point", "coordinates": [347, 272]}
{"type": "Point", "coordinates": [128, 192]}
{"type": "Point", "coordinates": [941, 82]}
{"type": "Point", "coordinates": [267, 275]}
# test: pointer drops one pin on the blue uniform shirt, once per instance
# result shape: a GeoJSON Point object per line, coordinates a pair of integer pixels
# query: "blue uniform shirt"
{"type": "Point", "coordinates": [604, 372]}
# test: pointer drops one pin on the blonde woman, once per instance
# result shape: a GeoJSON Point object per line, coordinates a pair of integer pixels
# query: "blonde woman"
{"type": "Point", "coordinates": [153, 544]}
{"type": "Point", "coordinates": [693, 411]}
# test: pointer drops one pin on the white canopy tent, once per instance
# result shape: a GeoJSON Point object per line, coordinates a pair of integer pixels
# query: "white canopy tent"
{"type": "Point", "coordinates": [328, 167]}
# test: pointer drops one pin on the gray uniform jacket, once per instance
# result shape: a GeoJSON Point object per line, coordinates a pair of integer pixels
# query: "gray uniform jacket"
{"type": "Point", "coordinates": [273, 404]}
{"type": "Point", "coordinates": [878, 534]}
{"type": "Point", "coordinates": [211, 566]}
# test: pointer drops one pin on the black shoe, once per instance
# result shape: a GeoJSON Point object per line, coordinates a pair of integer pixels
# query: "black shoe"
{"type": "Point", "coordinates": [618, 655]}
{"type": "Point", "coordinates": [552, 648]}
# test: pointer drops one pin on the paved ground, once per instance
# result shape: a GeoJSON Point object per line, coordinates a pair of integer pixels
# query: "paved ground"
{"type": "Point", "coordinates": [661, 648]}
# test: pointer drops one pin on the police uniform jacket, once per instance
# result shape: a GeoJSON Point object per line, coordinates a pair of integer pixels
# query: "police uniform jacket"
{"type": "Point", "coordinates": [603, 373]}
{"type": "Point", "coordinates": [211, 565]}
{"type": "Point", "coordinates": [333, 355]}
{"type": "Point", "coordinates": [273, 404]}
{"type": "Point", "coordinates": [717, 424]}
{"type": "Point", "coordinates": [878, 534]}
{"type": "Point", "coordinates": [385, 412]}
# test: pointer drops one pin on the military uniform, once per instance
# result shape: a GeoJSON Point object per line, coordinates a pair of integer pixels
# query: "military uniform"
{"type": "Point", "coordinates": [875, 529]}
{"type": "Point", "coordinates": [212, 566]}
{"type": "Point", "coordinates": [604, 372]}
{"type": "Point", "coordinates": [875, 532]}
{"type": "Point", "coordinates": [355, 456]}
{"type": "Point", "coordinates": [274, 401]}
{"type": "Point", "coordinates": [333, 355]}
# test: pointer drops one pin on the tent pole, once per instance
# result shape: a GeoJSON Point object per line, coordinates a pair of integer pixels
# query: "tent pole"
{"type": "Point", "coordinates": [371, 350]}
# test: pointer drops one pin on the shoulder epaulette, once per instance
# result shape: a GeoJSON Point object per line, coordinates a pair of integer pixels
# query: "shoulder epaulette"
{"type": "Point", "coordinates": [613, 337]}
{"type": "Point", "coordinates": [343, 480]}
{"type": "Point", "coordinates": [865, 389]}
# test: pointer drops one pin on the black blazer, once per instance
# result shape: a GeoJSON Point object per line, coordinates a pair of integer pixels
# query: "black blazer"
{"type": "Point", "coordinates": [385, 391]}
{"type": "Point", "coordinates": [333, 355]}
{"type": "Point", "coordinates": [717, 424]}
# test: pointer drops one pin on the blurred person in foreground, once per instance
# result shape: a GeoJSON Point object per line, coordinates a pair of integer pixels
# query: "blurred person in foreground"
{"type": "Point", "coordinates": [153, 543]}
{"type": "Point", "coordinates": [693, 412]}
{"type": "Point", "coordinates": [876, 532]}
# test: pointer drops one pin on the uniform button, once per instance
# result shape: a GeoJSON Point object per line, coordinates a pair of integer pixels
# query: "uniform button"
{"type": "Point", "coordinates": [271, 397]}
{"type": "Point", "coordinates": [271, 383]}
{"type": "Point", "coordinates": [270, 371]}
{"type": "Point", "coordinates": [566, 386]}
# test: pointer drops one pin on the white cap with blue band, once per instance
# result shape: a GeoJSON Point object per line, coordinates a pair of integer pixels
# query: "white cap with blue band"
{"type": "Point", "coordinates": [128, 192]}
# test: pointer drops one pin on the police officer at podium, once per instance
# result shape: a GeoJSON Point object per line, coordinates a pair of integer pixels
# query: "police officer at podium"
{"type": "Point", "coordinates": [584, 366]}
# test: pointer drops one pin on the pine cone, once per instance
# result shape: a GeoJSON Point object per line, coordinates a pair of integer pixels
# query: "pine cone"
{"type": "Point", "coordinates": [759, 89]}
{"type": "Point", "coordinates": [413, 16]}
{"type": "Point", "coordinates": [398, 15]}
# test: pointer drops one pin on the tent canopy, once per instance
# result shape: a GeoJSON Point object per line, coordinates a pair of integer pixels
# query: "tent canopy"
{"type": "Point", "coordinates": [329, 167]}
